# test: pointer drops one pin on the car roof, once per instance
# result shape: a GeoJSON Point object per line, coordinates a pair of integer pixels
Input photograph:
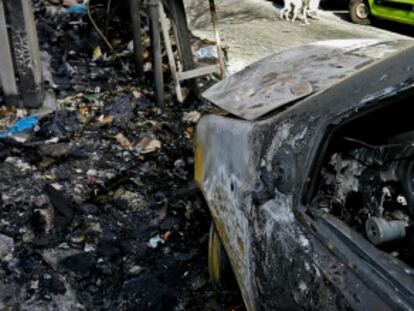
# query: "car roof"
{"type": "Point", "coordinates": [294, 74]}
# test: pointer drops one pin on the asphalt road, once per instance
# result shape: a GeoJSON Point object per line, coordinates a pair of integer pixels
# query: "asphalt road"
{"type": "Point", "coordinates": [252, 29]}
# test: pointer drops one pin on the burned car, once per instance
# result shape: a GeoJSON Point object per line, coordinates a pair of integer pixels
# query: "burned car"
{"type": "Point", "coordinates": [310, 177]}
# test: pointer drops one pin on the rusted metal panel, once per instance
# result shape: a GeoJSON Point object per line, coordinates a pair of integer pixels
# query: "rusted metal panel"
{"type": "Point", "coordinates": [294, 74]}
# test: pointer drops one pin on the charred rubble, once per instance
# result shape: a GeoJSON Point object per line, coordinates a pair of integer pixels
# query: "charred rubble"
{"type": "Point", "coordinates": [98, 208]}
{"type": "Point", "coordinates": [367, 178]}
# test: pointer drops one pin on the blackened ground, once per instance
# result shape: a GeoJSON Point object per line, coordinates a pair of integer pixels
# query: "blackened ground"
{"type": "Point", "coordinates": [100, 216]}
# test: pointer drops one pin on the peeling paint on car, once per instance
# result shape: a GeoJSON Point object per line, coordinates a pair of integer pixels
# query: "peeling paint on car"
{"type": "Point", "coordinates": [292, 75]}
{"type": "Point", "coordinates": [256, 180]}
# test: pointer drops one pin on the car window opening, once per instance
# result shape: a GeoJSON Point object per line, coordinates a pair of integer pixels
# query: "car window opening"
{"type": "Point", "coordinates": [367, 178]}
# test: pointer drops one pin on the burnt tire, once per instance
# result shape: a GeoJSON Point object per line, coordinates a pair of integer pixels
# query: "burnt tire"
{"type": "Point", "coordinates": [219, 268]}
{"type": "Point", "coordinates": [359, 12]}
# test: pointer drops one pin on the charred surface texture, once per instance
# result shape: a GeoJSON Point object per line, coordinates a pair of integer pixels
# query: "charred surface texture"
{"type": "Point", "coordinates": [89, 245]}
{"type": "Point", "coordinates": [257, 180]}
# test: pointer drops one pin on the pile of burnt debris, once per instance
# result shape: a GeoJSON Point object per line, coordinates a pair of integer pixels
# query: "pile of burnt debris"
{"type": "Point", "coordinates": [98, 207]}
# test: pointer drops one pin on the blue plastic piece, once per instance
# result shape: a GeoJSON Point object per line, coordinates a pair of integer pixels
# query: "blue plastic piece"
{"type": "Point", "coordinates": [77, 9]}
{"type": "Point", "coordinates": [20, 126]}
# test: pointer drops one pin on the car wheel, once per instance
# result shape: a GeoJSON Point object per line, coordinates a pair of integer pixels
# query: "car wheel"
{"type": "Point", "coordinates": [359, 12]}
{"type": "Point", "coordinates": [218, 263]}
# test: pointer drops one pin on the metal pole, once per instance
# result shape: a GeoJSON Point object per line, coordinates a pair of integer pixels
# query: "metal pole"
{"type": "Point", "coordinates": [214, 20]}
{"type": "Point", "coordinates": [135, 8]}
{"type": "Point", "coordinates": [153, 14]}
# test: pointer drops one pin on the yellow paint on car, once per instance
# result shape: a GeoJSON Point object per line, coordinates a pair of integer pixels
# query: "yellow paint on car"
{"type": "Point", "coordinates": [214, 258]}
{"type": "Point", "coordinates": [198, 162]}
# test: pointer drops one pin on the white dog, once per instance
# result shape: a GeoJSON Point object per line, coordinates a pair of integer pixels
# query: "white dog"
{"type": "Point", "coordinates": [298, 6]}
{"type": "Point", "coordinates": [313, 10]}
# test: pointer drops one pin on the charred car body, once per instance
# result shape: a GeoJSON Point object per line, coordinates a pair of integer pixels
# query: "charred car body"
{"type": "Point", "coordinates": [309, 179]}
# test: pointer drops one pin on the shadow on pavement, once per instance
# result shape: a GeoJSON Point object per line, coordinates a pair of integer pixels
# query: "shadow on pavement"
{"type": "Point", "coordinates": [403, 29]}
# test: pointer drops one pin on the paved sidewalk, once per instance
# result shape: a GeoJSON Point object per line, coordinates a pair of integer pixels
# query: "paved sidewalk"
{"type": "Point", "coordinates": [252, 29]}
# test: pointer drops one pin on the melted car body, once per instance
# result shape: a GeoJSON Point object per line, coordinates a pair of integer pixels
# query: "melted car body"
{"type": "Point", "coordinates": [289, 179]}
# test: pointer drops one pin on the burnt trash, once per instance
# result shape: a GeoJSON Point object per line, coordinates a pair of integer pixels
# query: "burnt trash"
{"type": "Point", "coordinates": [58, 150]}
{"type": "Point", "coordinates": [53, 285]}
{"type": "Point", "coordinates": [4, 152]}
{"type": "Point", "coordinates": [6, 246]}
{"type": "Point", "coordinates": [55, 257]}
{"type": "Point", "coordinates": [60, 124]}
{"type": "Point", "coordinates": [81, 206]}
{"type": "Point", "coordinates": [63, 209]}
{"type": "Point", "coordinates": [122, 108]}
{"type": "Point", "coordinates": [43, 217]}
{"type": "Point", "coordinates": [80, 264]}
{"type": "Point", "coordinates": [145, 292]}
{"type": "Point", "coordinates": [87, 208]}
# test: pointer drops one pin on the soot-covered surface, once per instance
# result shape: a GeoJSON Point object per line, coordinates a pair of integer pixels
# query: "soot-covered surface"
{"type": "Point", "coordinates": [98, 206]}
